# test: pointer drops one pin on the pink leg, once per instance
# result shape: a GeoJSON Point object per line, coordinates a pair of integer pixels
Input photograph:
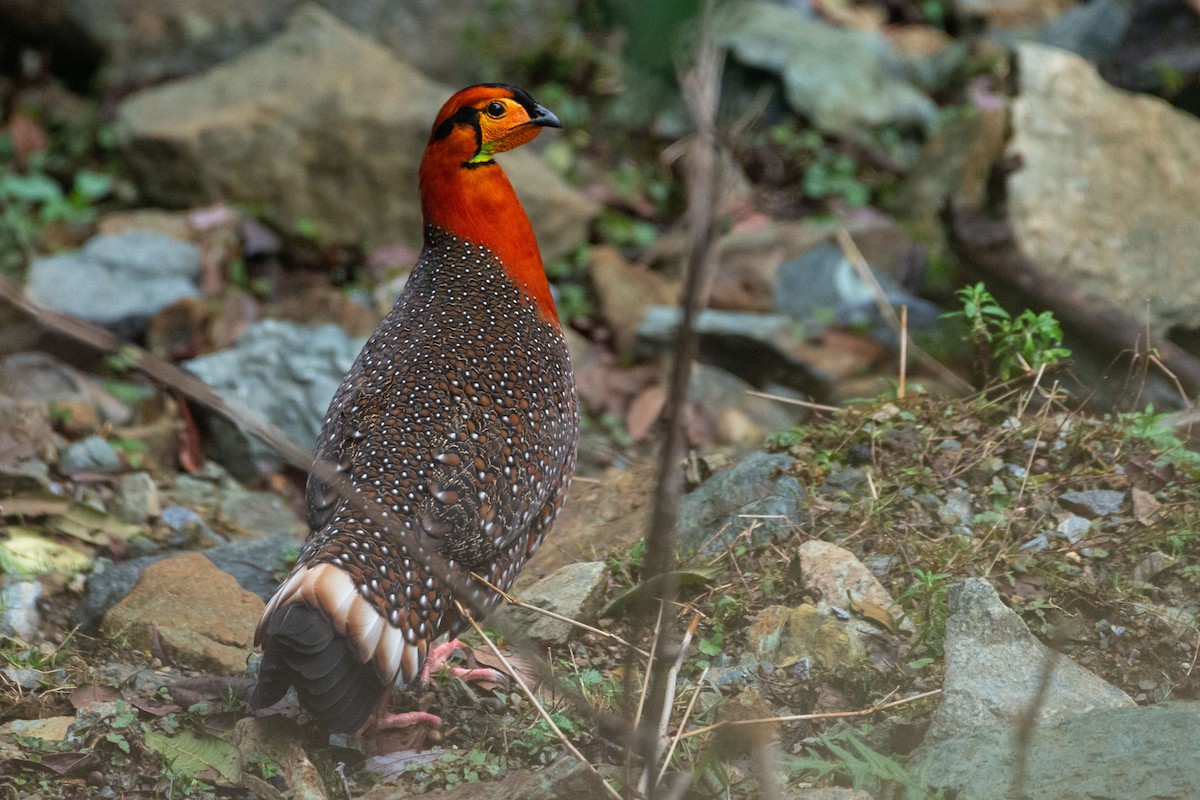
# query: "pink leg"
{"type": "Point", "coordinates": [407, 719]}
{"type": "Point", "coordinates": [436, 658]}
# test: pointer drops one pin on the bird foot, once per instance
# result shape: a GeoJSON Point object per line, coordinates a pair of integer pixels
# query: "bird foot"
{"type": "Point", "coordinates": [437, 656]}
{"type": "Point", "coordinates": [407, 719]}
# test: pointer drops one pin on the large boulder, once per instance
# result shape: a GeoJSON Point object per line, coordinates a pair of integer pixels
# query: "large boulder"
{"type": "Point", "coordinates": [320, 129]}
{"type": "Point", "coordinates": [1107, 193]}
{"type": "Point", "coordinates": [147, 41]}
{"type": "Point", "coordinates": [842, 80]}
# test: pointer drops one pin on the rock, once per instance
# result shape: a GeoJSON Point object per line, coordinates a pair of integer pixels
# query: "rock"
{"type": "Point", "coordinates": [844, 81]}
{"type": "Point", "coordinates": [827, 793]}
{"type": "Point", "coordinates": [956, 511]}
{"type": "Point", "coordinates": [1091, 30]}
{"type": "Point", "coordinates": [92, 454]}
{"type": "Point", "coordinates": [758, 492]}
{"type": "Point", "coordinates": [625, 291]}
{"type": "Point", "coordinates": [574, 591]}
{"type": "Point", "coordinates": [1104, 754]}
{"type": "Point", "coordinates": [566, 777]}
{"type": "Point", "coordinates": [26, 435]}
{"type": "Point", "coordinates": [118, 281]}
{"type": "Point", "coordinates": [1160, 52]}
{"type": "Point", "coordinates": [283, 372]}
{"type": "Point", "coordinates": [256, 564]}
{"type": "Point", "coordinates": [784, 636]}
{"type": "Point", "coordinates": [50, 729]}
{"type": "Point", "coordinates": [107, 584]}
{"type": "Point", "coordinates": [201, 614]}
{"type": "Point", "coordinates": [754, 347]}
{"type": "Point", "coordinates": [42, 377]}
{"type": "Point", "coordinates": [748, 259]}
{"type": "Point", "coordinates": [18, 609]}
{"type": "Point", "coordinates": [137, 498]}
{"type": "Point", "coordinates": [238, 511]}
{"type": "Point", "coordinates": [601, 518]}
{"type": "Point", "coordinates": [844, 581]}
{"type": "Point", "coordinates": [823, 287]}
{"type": "Point", "coordinates": [265, 128]}
{"type": "Point", "coordinates": [1010, 13]}
{"type": "Point", "coordinates": [1093, 503]}
{"type": "Point", "coordinates": [1106, 188]}
{"type": "Point", "coordinates": [1073, 528]}
{"type": "Point", "coordinates": [276, 740]}
{"type": "Point", "coordinates": [186, 528]}
{"type": "Point", "coordinates": [147, 42]}
{"type": "Point", "coordinates": [723, 395]}
{"type": "Point", "coordinates": [994, 666]}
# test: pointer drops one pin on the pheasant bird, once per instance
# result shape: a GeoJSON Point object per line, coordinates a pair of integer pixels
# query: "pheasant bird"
{"type": "Point", "coordinates": [455, 432]}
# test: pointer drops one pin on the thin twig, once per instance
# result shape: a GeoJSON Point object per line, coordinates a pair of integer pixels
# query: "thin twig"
{"type": "Point", "coordinates": [519, 603]}
{"type": "Point", "coordinates": [793, 401]}
{"type": "Point", "coordinates": [532, 698]}
{"type": "Point", "coordinates": [856, 259]}
{"type": "Point", "coordinates": [687, 715]}
{"type": "Point", "coordinates": [862, 712]}
{"type": "Point", "coordinates": [903, 351]}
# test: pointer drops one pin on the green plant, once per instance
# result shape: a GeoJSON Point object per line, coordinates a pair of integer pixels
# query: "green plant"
{"type": "Point", "coordinates": [1006, 346]}
{"type": "Point", "coordinates": [847, 757]}
{"type": "Point", "coordinates": [925, 598]}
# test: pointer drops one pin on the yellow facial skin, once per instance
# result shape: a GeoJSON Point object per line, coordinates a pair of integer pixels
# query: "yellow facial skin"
{"type": "Point", "coordinates": [503, 124]}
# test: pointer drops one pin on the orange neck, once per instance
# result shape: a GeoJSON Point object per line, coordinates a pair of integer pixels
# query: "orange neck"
{"type": "Point", "coordinates": [478, 204]}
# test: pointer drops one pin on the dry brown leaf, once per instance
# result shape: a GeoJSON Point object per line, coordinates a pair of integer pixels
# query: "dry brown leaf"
{"type": "Point", "coordinates": [874, 612]}
{"type": "Point", "coordinates": [644, 411]}
{"type": "Point", "coordinates": [86, 695]}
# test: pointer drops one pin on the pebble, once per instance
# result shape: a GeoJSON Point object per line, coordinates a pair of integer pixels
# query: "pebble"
{"type": "Point", "coordinates": [92, 454]}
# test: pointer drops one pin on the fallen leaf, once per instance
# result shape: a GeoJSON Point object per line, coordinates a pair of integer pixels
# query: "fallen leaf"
{"type": "Point", "coordinates": [527, 667]}
{"type": "Point", "coordinates": [685, 577]}
{"type": "Point", "coordinates": [199, 755]}
{"type": "Point", "coordinates": [85, 696]}
{"type": "Point", "coordinates": [1145, 507]}
{"type": "Point", "coordinates": [645, 410]}
{"type": "Point", "coordinates": [30, 552]}
{"type": "Point", "coordinates": [33, 504]}
{"type": "Point", "coordinates": [874, 612]}
{"type": "Point", "coordinates": [391, 766]}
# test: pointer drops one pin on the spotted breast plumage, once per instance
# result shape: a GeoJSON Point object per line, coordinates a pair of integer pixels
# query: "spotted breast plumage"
{"type": "Point", "coordinates": [454, 433]}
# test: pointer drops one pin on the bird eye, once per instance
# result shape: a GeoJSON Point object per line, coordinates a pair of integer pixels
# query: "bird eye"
{"type": "Point", "coordinates": [495, 109]}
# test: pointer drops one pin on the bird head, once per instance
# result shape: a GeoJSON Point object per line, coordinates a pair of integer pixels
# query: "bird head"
{"type": "Point", "coordinates": [480, 121]}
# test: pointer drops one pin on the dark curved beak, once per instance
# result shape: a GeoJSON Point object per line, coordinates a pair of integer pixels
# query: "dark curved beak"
{"type": "Point", "coordinates": [540, 115]}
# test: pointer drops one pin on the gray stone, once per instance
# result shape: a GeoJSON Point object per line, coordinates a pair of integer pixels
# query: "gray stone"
{"type": "Point", "coordinates": [751, 346]}
{"type": "Point", "coordinates": [1093, 503]}
{"type": "Point", "coordinates": [256, 564]}
{"type": "Point", "coordinates": [1073, 528]}
{"type": "Point", "coordinates": [18, 609]}
{"type": "Point", "coordinates": [319, 127]}
{"type": "Point", "coordinates": [42, 377]}
{"type": "Point", "coordinates": [956, 510]}
{"type": "Point", "coordinates": [118, 280]}
{"type": "Point", "coordinates": [1091, 30]}
{"type": "Point", "coordinates": [283, 372]}
{"type": "Point", "coordinates": [1105, 754]}
{"type": "Point", "coordinates": [92, 454]}
{"type": "Point", "coordinates": [1106, 193]}
{"type": "Point", "coordinates": [994, 667]}
{"type": "Point", "coordinates": [147, 41]}
{"type": "Point", "coordinates": [137, 498]}
{"type": "Point", "coordinates": [186, 528]}
{"type": "Point", "coordinates": [758, 491]}
{"type": "Point", "coordinates": [844, 81]}
{"type": "Point", "coordinates": [722, 394]}
{"type": "Point", "coordinates": [823, 287]}
{"type": "Point", "coordinates": [574, 591]}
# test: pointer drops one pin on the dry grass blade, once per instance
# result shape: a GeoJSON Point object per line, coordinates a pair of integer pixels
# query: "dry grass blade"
{"type": "Point", "coordinates": [519, 603]}
{"type": "Point", "coordinates": [793, 401]}
{"type": "Point", "coordinates": [862, 712]}
{"type": "Point", "coordinates": [532, 698]}
{"type": "Point", "coordinates": [855, 256]}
